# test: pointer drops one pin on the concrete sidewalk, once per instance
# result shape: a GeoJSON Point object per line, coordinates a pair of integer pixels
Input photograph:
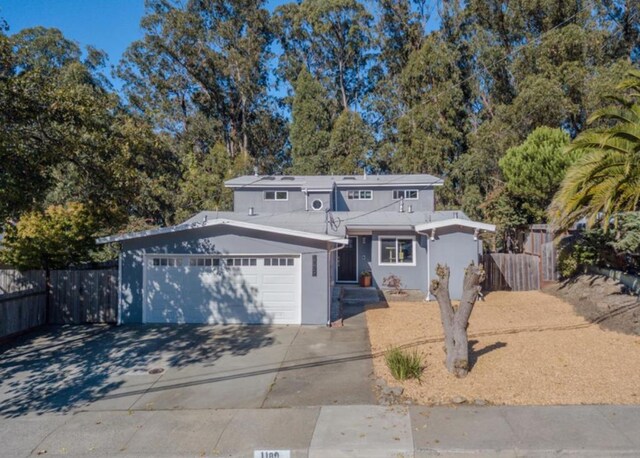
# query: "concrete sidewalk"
{"type": "Point", "coordinates": [330, 431]}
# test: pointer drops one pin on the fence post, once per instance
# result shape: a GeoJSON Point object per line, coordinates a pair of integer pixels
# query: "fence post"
{"type": "Point", "coordinates": [47, 293]}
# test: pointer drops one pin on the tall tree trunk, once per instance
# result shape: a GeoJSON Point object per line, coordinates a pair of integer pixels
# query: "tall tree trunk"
{"type": "Point", "coordinates": [343, 92]}
{"type": "Point", "coordinates": [455, 320]}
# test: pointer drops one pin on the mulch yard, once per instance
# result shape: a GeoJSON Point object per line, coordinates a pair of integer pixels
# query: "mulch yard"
{"type": "Point", "coordinates": [527, 348]}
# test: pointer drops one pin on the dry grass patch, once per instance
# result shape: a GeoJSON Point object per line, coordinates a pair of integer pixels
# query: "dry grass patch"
{"type": "Point", "coordinates": [527, 348]}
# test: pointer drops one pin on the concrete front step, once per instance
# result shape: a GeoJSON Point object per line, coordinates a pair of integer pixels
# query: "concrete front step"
{"type": "Point", "coordinates": [352, 294]}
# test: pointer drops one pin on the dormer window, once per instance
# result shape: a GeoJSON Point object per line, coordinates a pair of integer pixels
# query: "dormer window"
{"type": "Point", "coordinates": [360, 195]}
{"type": "Point", "coordinates": [406, 194]}
{"type": "Point", "coordinates": [276, 195]}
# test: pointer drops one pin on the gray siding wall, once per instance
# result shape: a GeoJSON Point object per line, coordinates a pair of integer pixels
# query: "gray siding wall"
{"type": "Point", "coordinates": [413, 277]}
{"type": "Point", "coordinates": [456, 248]}
{"type": "Point", "coordinates": [384, 196]}
{"type": "Point", "coordinates": [245, 198]}
{"type": "Point", "coordinates": [219, 240]}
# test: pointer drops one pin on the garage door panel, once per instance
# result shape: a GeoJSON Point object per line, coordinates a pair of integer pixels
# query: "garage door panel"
{"type": "Point", "coordinates": [222, 294]}
{"type": "Point", "coordinates": [277, 280]}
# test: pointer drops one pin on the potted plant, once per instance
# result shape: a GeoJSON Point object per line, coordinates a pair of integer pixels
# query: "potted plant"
{"type": "Point", "coordinates": [365, 278]}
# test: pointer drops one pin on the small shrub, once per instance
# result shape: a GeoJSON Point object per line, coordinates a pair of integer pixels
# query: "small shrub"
{"type": "Point", "coordinates": [394, 282]}
{"type": "Point", "coordinates": [404, 364]}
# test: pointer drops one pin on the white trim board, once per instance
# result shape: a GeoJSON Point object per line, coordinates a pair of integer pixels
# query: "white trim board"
{"type": "Point", "coordinates": [455, 222]}
{"type": "Point", "coordinates": [223, 222]}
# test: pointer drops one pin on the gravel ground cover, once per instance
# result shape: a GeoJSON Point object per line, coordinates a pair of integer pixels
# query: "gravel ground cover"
{"type": "Point", "coordinates": [528, 348]}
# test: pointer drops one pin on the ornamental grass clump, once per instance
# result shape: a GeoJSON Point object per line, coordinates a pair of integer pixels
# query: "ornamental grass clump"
{"type": "Point", "coordinates": [404, 364]}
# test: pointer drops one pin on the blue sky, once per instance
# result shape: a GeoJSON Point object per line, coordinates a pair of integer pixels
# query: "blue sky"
{"type": "Point", "coordinates": [110, 25]}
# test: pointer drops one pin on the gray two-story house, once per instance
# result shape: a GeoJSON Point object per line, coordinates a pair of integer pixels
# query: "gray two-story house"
{"type": "Point", "coordinates": [288, 242]}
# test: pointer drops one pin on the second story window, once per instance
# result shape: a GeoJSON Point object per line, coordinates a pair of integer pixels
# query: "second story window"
{"type": "Point", "coordinates": [276, 195]}
{"type": "Point", "coordinates": [360, 195]}
{"type": "Point", "coordinates": [406, 194]}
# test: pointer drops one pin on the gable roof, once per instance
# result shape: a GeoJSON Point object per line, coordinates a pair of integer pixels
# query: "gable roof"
{"type": "Point", "coordinates": [313, 225]}
{"type": "Point", "coordinates": [455, 222]}
{"type": "Point", "coordinates": [327, 182]}
{"type": "Point", "coordinates": [219, 222]}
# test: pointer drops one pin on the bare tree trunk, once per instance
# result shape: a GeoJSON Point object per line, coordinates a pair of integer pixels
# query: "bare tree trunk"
{"type": "Point", "coordinates": [456, 320]}
{"type": "Point", "coordinates": [343, 92]}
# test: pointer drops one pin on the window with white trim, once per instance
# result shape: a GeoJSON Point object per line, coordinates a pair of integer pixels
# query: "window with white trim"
{"type": "Point", "coordinates": [406, 194]}
{"type": "Point", "coordinates": [397, 251]}
{"type": "Point", "coordinates": [361, 194]}
{"type": "Point", "coordinates": [276, 195]}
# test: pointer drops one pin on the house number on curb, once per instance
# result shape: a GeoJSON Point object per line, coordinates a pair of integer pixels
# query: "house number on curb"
{"type": "Point", "coordinates": [272, 454]}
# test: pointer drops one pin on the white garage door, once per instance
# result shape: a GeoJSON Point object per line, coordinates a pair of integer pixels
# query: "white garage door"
{"type": "Point", "coordinates": [223, 289]}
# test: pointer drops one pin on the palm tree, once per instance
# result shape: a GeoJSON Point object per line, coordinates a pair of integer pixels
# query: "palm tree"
{"type": "Point", "coordinates": [605, 181]}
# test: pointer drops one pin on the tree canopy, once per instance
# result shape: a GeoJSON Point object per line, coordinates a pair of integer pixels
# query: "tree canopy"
{"type": "Point", "coordinates": [481, 93]}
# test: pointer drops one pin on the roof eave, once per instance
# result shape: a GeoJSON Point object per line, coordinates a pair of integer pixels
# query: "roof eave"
{"type": "Point", "coordinates": [455, 222]}
{"type": "Point", "coordinates": [218, 222]}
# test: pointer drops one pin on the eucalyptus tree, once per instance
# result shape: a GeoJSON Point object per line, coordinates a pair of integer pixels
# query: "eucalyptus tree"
{"type": "Point", "coordinates": [333, 39]}
{"type": "Point", "coordinates": [312, 116]}
{"type": "Point", "coordinates": [201, 73]}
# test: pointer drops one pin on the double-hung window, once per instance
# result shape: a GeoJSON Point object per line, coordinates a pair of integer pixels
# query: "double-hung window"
{"type": "Point", "coordinates": [360, 195]}
{"type": "Point", "coordinates": [397, 251]}
{"type": "Point", "coordinates": [406, 194]}
{"type": "Point", "coordinates": [276, 195]}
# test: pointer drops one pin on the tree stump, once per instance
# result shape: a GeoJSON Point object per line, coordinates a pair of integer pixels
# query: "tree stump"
{"type": "Point", "coordinates": [455, 320]}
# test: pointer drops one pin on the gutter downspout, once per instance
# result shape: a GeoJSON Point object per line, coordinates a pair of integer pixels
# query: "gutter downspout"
{"type": "Point", "coordinates": [330, 286]}
{"type": "Point", "coordinates": [428, 296]}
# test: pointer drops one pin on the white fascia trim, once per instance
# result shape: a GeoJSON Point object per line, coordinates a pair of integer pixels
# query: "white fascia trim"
{"type": "Point", "coordinates": [277, 185]}
{"type": "Point", "coordinates": [373, 185]}
{"type": "Point", "coordinates": [219, 222]}
{"type": "Point", "coordinates": [455, 222]}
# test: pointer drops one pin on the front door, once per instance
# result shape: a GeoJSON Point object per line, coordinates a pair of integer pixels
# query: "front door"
{"type": "Point", "coordinates": [348, 262]}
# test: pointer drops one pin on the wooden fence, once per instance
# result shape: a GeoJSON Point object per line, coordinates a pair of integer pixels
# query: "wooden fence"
{"type": "Point", "coordinates": [539, 241]}
{"type": "Point", "coordinates": [13, 281]}
{"type": "Point", "coordinates": [549, 262]}
{"type": "Point", "coordinates": [21, 311]}
{"type": "Point", "coordinates": [75, 297]}
{"type": "Point", "coordinates": [83, 296]}
{"type": "Point", "coordinates": [511, 272]}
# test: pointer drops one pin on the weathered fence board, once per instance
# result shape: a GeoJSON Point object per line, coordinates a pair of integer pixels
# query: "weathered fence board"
{"type": "Point", "coordinates": [548, 258]}
{"type": "Point", "coordinates": [12, 280]}
{"type": "Point", "coordinates": [511, 272]}
{"type": "Point", "coordinates": [21, 311]}
{"type": "Point", "coordinates": [75, 297]}
{"type": "Point", "coordinates": [84, 296]}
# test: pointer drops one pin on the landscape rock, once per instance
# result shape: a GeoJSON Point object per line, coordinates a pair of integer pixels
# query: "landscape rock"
{"type": "Point", "coordinates": [380, 382]}
{"type": "Point", "coordinates": [480, 402]}
{"type": "Point", "coordinates": [396, 390]}
{"type": "Point", "coordinates": [458, 400]}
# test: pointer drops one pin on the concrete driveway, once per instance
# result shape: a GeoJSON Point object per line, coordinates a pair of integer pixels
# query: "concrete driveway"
{"type": "Point", "coordinates": [157, 367]}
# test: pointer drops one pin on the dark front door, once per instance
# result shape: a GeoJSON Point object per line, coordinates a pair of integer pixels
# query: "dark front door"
{"type": "Point", "coordinates": [348, 261]}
